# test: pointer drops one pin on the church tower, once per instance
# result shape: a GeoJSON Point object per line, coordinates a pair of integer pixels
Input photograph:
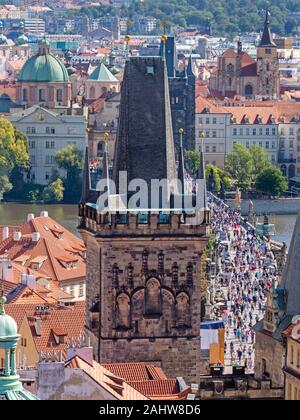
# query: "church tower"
{"type": "Point", "coordinates": [143, 266]}
{"type": "Point", "coordinates": [268, 63]}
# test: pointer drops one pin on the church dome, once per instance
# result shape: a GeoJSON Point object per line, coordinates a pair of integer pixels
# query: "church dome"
{"type": "Point", "coordinates": [8, 326]}
{"type": "Point", "coordinates": [43, 68]}
{"type": "Point", "coordinates": [22, 40]}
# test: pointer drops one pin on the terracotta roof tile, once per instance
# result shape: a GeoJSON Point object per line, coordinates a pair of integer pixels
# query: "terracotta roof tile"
{"type": "Point", "coordinates": [49, 247]}
{"type": "Point", "coordinates": [117, 387]}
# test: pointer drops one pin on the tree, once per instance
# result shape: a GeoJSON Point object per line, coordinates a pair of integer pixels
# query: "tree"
{"type": "Point", "coordinates": [260, 161]}
{"type": "Point", "coordinates": [192, 160]}
{"type": "Point", "coordinates": [271, 181]}
{"type": "Point", "coordinates": [14, 157]}
{"type": "Point", "coordinates": [70, 159]}
{"type": "Point", "coordinates": [239, 166]}
{"type": "Point", "coordinates": [220, 176]}
{"type": "Point", "coordinates": [54, 192]}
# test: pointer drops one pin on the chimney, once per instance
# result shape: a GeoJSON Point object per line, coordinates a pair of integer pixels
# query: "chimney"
{"type": "Point", "coordinates": [24, 279]}
{"type": "Point", "coordinates": [17, 236]}
{"type": "Point", "coordinates": [35, 236]}
{"type": "Point", "coordinates": [44, 214]}
{"type": "Point", "coordinates": [30, 216]}
{"type": "Point", "coordinates": [31, 281]}
{"type": "Point", "coordinates": [38, 326]}
{"type": "Point", "coordinates": [6, 270]}
{"type": "Point", "coordinates": [5, 233]}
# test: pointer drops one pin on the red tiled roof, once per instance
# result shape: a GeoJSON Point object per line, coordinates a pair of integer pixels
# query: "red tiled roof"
{"type": "Point", "coordinates": [203, 103]}
{"type": "Point", "coordinates": [161, 389]}
{"type": "Point", "coordinates": [116, 386]}
{"type": "Point", "coordinates": [249, 70]}
{"type": "Point", "coordinates": [49, 247]}
{"type": "Point", "coordinates": [293, 330]}
{"type": "Point", "coordinates": [136, 371]}
{"type": "Point", "coordinates": [70, 319]}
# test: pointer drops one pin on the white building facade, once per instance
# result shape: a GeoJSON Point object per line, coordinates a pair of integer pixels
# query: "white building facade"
{"type": "Point", "coordinates": [48, 132]}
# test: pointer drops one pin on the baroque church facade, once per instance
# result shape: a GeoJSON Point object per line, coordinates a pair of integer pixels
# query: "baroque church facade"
{"type": "Point", "coordinates": [143, 268]}
{"type": "Point", "coordinates": [239, 74]}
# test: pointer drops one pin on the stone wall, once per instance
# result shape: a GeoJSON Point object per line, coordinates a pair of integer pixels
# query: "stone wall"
{"type": "Point", "coordinates": [272, 351]}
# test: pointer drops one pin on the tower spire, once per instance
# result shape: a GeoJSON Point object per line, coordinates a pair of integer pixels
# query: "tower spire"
{"type": "Point", "coordinates": [267, 39]}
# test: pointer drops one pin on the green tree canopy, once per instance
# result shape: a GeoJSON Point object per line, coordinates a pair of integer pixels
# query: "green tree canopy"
{"type": "Point", "coordinates": [70, 159]}
{"type": "Point", "coordinates": [239, 166]}
{"type": "Point", "coordinates": [271, 182]}
{"type": "Point", "coordinates": [54, 192]}
{"type": "Point", "coordinates": [14, 157]}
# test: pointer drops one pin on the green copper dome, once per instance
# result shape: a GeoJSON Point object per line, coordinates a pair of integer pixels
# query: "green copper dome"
{"type": "Point", "coordinates": [43, 68]}
{"type": "Point", "coordinates": [22, 40]}
{"type": "Point", "coordinates": [8, 326]}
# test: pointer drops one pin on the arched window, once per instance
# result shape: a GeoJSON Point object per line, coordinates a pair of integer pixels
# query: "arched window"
{"type": "Point", "coordinates": [153, 299]}
{"type": "Point", "coordinates": [25, 95]}
{"type": "Point", "coordinates": [248, 90]}
{"type": "Point", "coordinates": [59, 95]}
{"type": "Point", "coordinates": [92, 92]}
{"type": "Point", "coordinates": [292, 171]}
{"type": "Point", "coordinates": [283, 170]}
{"type": "Point", "coordinates": [42, 96]}
{"type": "Point", "coordinates": [100, 148]}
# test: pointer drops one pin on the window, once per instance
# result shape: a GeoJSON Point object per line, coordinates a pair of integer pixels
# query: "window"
{"type": "Point", "coordinates": [81, 290]}
{"type": "Point", "coordinates": [247, 131]}
{"type": "Point", "coordinates": [72, 290]}
{"type": "Point", "coordinates": [52, 144]}
{"type": "Point", "coordinates": [292, 355]}
{"type": "Point", "coordinates": [32, 159]}
{"type": "Point", "coordinates": [25, 95]}
{"type": "Point", "coordinates": [30, 130]}
{"type": "Point", "coordinates": [214, 149]}
{"type": "Point", "coordinates": [59, 95]}
{"type": "Point", "coordinates": [267, 131]}
{"type": "Point", "coordinates": [214, 134]}
{"type": "Point", "coordinates": [47, 144]}
{"type": "Point", "coordinates": [200, 120]}
{"type": "Point", "coordinates": [214, 120]}
{"type": "Point", "coordinates": [71, 130]}
{"type": "Point", "coordinates": [291, 144]}
{"type": "Point", "coordinates": [273, 131]}
{"type": "Point", "coordinates": [32, 144]}
{"type": "Point", "coordinates": [241, 132]}
{"type": "Point", "coordinates": [207, 134]}
{"type": "Point", "coordinates": [260, 144]}
{"type": "Point", "coordinates": [247, 144]}
{"type": "Point", "coordinates": [260, 131]}
{"type": "Point", "coordinates": [268, 50]}
{"type": "Point", "coordinates": [42, 96]}
{"type": "Point", "coordinates": [291, 131]}
{"type": "Point", "coordinates": [267, 145]}
{"type": "Point", "coordinates": [207, 121]}
{"type": "Point", "coordinates": [50, 130]}
{"type": "Point", "coordinates": [235, 131]}
{"type": "Point", "coordinates": [207, 149]}
{"type": "Point", "coordinates": [150, 69]}
{"type": "Point", "coordinates": [254, 132]}
{"type": "Point", "coordinates": [92, 93]}
{"type": "Point", "coordinates": [273, 145]}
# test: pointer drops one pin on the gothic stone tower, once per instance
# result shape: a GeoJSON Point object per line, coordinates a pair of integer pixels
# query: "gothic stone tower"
{"type": "Point", "coordinates": [143, 271]}
{"type": "Point", "coordinates": [182, 86]}
{"type": "Point", "coordinates": [268, 64]}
